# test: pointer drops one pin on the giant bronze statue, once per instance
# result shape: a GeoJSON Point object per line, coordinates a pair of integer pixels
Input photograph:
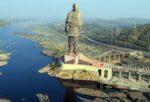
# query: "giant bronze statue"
{"type": "Point", "coordinates": [73, 28]}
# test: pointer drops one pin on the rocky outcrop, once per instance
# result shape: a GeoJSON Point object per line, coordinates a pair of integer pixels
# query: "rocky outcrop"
{"type": "Point", "coordinates": [5, 100]}
{"type": "Point", "coordinates": [42, 98]}
{"type": "Point", "coordinates": [117, 96]}
{"type": "Point", "coordinates": [83, 94]}
{"type": "Point", "coordinates": [3, 58]}
{"type": "Point", "coordinates": [136, 96]}
{"type": "Point", "coordinates": [70, 74]}
{"type": "Point", "coordinates": [91, 92]}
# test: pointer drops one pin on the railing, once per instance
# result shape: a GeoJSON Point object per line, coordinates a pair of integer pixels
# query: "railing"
{"type": "Point", "coordinates": [128, 68]}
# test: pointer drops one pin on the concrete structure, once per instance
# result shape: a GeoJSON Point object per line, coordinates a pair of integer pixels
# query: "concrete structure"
{"type": "Point", "coordinates": [128, 68]}
{"type": "Point", "coordinates": [112, 57]}
{"type": "Point", "coordinates": [124, 77]}
{"type": "Point", "coordinates": [81, 62]}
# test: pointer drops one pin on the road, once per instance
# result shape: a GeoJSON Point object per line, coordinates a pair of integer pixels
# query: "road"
{"type": "Point", "coordinates": [115, 47]}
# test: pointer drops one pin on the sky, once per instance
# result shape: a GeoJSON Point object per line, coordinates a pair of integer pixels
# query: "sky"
{"type": "Point", "coordinates": [51, 9]}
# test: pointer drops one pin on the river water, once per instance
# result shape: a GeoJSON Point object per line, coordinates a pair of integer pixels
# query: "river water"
{"type": "Point", "coordinates": [20, 79]}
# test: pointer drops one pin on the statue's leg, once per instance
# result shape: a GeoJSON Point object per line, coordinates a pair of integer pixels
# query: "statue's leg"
{"type": "Point", "coordinates": [70, 44]}
{"type": "Point", "coordinates": [75, 44]}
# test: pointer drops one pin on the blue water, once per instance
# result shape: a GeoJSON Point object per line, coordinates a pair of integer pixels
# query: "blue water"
{"type": "Point", "coordinates": [20, 78]}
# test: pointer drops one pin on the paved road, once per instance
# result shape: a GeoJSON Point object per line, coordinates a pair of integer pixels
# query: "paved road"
{"type": "Point", "coordinates": [115, 47]}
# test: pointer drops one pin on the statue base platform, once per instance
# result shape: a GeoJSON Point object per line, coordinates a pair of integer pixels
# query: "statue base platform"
{"type": "Point", "coordinates": [79, 58]}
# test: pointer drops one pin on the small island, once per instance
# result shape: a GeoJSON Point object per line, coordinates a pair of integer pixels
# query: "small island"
{"type": "Point", "coordinates": [4, 57]}
{"type": "Point", "coordinates": [4, 23]}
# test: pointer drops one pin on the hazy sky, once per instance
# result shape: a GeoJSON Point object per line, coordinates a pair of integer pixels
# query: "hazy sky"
{"type": "Point", "coordinates": [104, 9]}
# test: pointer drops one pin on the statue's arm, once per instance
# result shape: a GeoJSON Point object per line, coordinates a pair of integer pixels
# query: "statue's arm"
{"type": "Point", "coordinates": [67, 23]}
{"type": "Point", "coordinates": [81, 22]}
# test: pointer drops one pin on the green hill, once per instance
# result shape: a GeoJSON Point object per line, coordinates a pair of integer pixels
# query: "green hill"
{"type": "Point", "coordinates": [136, 37]}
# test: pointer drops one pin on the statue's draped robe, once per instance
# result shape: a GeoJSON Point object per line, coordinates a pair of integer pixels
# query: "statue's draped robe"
{"type": "Point", "coordinates": [74, 23]}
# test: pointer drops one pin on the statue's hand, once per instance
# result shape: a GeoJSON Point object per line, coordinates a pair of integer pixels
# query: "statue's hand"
{"type": "Point", "coordinates": [80, 28]}
{"type": "Point", "coordinates": [66, 29]}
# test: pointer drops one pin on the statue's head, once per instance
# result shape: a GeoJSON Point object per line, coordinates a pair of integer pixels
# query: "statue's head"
{"type": "Point", "coordinates": [75, 7]}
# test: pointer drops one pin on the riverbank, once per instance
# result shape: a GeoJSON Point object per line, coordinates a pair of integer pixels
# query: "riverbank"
{"type": "Point", "coordinates": [5, 100]}
{"type": "Point", "coordinates": [20, 81]}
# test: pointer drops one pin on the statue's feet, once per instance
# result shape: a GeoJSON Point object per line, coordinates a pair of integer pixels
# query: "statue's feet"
{"type": "Point", "coordinates": [70, 53]}
{"type": "Point", "coordinates": [75, 52]}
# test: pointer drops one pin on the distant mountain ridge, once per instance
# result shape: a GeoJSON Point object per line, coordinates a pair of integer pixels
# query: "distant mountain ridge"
{"type": "Point", "coordinates": [132, 20]}
{"type": "Point", "coordinates": [119, 22]}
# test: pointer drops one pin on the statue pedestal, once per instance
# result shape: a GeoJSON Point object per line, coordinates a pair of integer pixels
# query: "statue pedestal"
{"type": "Point", "coordinates": [72, 58]}
{"type": "Point", "coordinates": [80, 59]}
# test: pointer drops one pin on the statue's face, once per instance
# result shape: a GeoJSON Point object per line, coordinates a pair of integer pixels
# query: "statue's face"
{"type": "Point", "coordinates": [75, 7]}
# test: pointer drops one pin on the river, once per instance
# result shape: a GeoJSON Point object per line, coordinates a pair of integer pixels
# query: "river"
{"type": "Point", "coordinates": [20, 79]}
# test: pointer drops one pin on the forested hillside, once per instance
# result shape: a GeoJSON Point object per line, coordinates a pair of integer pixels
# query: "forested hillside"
{"type": "Point", "coordinates": [136, 37]}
